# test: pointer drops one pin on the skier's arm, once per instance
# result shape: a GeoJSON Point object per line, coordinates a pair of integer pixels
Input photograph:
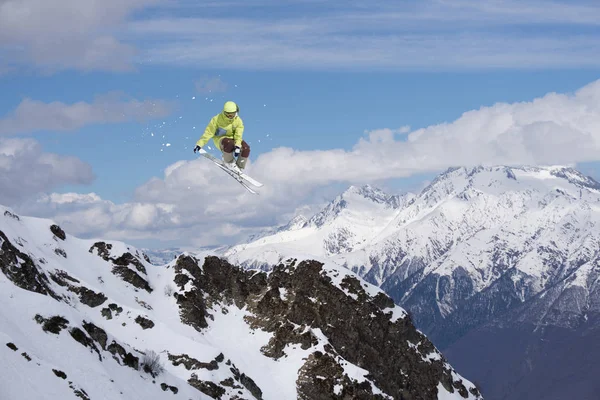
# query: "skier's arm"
{"type": "Point", "coordinates": [209, 132]}
{"type": "Point", "coordinates": [239, 132]}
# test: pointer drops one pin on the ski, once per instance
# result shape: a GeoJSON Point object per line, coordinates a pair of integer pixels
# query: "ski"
{"type": "Point", "coordinates": [242, 178]}
{"type": "Point", "coordinates": [236, 176]}
{"type": "Point", "coordinates": [242, 175]}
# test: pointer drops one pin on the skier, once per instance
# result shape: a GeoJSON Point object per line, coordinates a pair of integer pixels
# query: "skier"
{"type": "Point", "coordinates": [226, 130]}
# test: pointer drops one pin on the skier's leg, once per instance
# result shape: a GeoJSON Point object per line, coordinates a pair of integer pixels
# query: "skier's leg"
{"type": "Point", "coordinates": [227, 146]}
{"type": "Point", "coordinates": [245, 153]}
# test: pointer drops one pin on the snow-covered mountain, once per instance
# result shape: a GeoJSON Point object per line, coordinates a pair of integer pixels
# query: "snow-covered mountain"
{"type": "Point", "coordinates": [345, 226]}
{"type": "Point", "coordinates": [96, 320]}
{"type": "Point", "coordinates": [479, 247]}
{"type": "Point", "coordinates": [166, 255]}
{"type": "Point", "coordinates": [458, 237]}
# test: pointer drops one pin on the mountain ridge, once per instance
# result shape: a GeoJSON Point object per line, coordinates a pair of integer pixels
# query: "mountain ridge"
{"type": "Point", "coordinates": [198, 327]}
{"type": "Point", "coordinates": [480, 251]}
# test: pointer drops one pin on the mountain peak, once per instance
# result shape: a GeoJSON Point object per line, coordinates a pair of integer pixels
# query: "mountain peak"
{"type": "Point", "coordinates": [368, 192]}
{"type": "Point", "coordinates": [502, 178]}
{"type": "Point", "coordinates": [357, 199]}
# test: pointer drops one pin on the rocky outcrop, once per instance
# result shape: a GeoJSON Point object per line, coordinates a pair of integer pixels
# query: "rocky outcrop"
{"type": "Point", "coordinates": [295, 300]}
{"type": "Point", "coordinates": [145, 323]}
{"type": "Point", "coordinates": [11, 215]}
{"type": "Point", "coordinates": [107, 312]}
{"type": "Point", "coordinates": [53, 324]}
{"type": "Point", "coordinates": [122, 263]}
{"type": "Point", "coordinates": [58, 232]}
{"type": "Point", "coordinates": [103, 250]}
{"type": "Point", "coordinates": [207, 387]}
{"type": "Point", "coordinates": [132, 277]}
{"type": "Point", "coordinates": [211, 388]}
{"type": "Point", "coordinates": [192, 364]}
{"type": "Point", "coordinates": [166, 387]}
{"type": "Point", "coordinates": [22, 270]}
{"type": "Point", "coordinates": [96, 333]}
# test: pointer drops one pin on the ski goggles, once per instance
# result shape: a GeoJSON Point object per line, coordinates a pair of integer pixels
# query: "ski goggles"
{"type": "Point", "coordinates": [230, 115]}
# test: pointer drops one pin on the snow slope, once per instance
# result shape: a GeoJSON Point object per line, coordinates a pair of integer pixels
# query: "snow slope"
{"type": "Point", "coordinates": [77, 316]}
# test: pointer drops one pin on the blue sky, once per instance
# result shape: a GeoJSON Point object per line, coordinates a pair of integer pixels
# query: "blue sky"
{"type": "Point", "coordinates": [101, 103]}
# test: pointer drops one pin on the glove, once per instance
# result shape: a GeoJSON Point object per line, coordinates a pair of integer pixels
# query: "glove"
{"type": "Point", "coordinates": [197, 148]}
{"type": "Point", "coordinates": [237, 151]}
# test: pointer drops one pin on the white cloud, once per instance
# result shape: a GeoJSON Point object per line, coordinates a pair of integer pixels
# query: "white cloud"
{"type": "Point", "coordinates": [32, 115]}
{"type": "Point", "coordinates": [57, 34]}
{"type": "Point", "coordinates": [427, 34]}
{"type": "Point", "coordinates": [115, 35]}
{"type": "Point", "coordinates": [25, 170]}
{"type": "Point", "coordinates": [197, 203]}
{"type": "Point", "coordinates": [554, 129]}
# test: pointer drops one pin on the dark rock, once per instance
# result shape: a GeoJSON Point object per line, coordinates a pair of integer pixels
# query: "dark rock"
{"type": "Point", "coordinates": [128, 259]}
{"type": "Point", "coordinates": [58, 232]}
{"type": "Point", "coordinates": [53, 325]}
{"type": "Point", "coordinates": [116, 308]}
{"type": "Point", "coordinates": [96, 333]}
{"type": "Point", "coordinates": [287, 333]}
{"type": "Point", "coordinates": [192, 307]}
{"type": "Point", "coordinates": [352, 285]}
{"type": "Point", "coordinates": [229, 382]}
{"type": "Point", "coordinates": [130, 276]}
{"type": "Point", "coordinates": [358, 330]}
{"type": "Point", "coordinates": [103, 250]}
{"type": "Point", "coordinates": [180, 280]}
{"type": "Point", "coordinates": [79, 392]}
{"type": "Point", "coordinates": [208, 388]}
{"type": "Point", "coordinates": [247, 382]}
{"type": "Point", "coordinates": [89, 297]}
{"type": "Point", "coordinates": [12, 346]}
{"type": "Point", "coordinates": [26, 356]}
{"type": "Point", "coordinates": [21, 269]}
{"type": "Point", "coordinates": [61, 278]}
{"type": "Point", "coordinates": [383, 301]}
{"type": "Point", "coordinates": [60, 374]}
{"type": "Point", "coordinates": [145, 323]}
{"type": "Point", "coordinates": [166, 387]}
{"type": "Point", "coordinates": [319, 376]}
{"type": "Point", "coordinates": [143, 304]}
{"type": "Point", "coordinates": [112, 307]}
{"type": "Point", "coordinates": [192, 364]}
{"type": "Point", "coordinates": [60, 252]}
{"type": "Point", "coordinates": [11, 215]}
{"type": "Point", "coordinates": [83, 339]}
{"type": "Point", "coordinates": [106, 313]}
{"type": "Point", "coordinates": [127, 358]}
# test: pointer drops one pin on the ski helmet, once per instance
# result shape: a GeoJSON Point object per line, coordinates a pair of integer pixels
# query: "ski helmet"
{"type": "Point", "coordinates": [230, 109]}
{"type": "Point", "coordinates": [230, 106]}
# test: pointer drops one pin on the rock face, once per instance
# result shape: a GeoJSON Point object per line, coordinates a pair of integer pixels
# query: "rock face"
{"type": "Point", "coordinates": [122, 265]}
{"type": "Point", "coordinates": [21, 269]}
{"type": "Point", "coordinates": [294, 301]}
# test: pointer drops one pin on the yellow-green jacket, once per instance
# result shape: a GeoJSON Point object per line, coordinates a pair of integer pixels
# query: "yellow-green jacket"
{"type": "Point", "coordinates": [221, 127]}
